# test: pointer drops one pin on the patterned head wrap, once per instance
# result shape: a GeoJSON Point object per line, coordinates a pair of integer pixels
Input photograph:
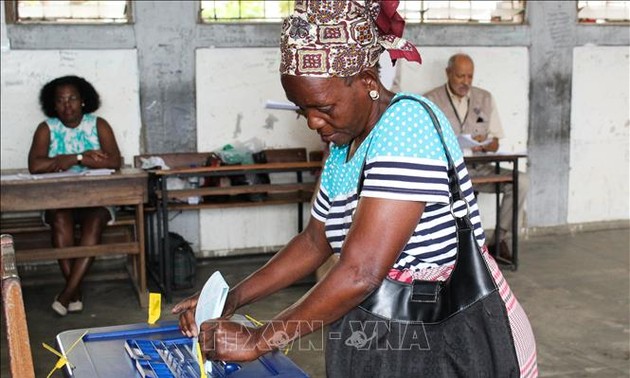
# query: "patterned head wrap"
{"type": "Point", "coordinates": [338, 38]}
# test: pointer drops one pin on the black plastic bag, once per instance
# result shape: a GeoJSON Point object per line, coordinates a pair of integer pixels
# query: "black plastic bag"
{"type": "Point", "coordinates": [183, 262]}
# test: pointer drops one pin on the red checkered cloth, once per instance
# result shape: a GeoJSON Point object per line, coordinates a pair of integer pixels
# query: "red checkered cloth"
{"type": "Point", "coordinates": [340, 38]}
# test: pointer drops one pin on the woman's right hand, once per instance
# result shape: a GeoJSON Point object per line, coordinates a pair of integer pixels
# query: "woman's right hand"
{"type": "Point", "coordinates": [62, 163]}
{"type": "Point", "coordinates": [186, 311]}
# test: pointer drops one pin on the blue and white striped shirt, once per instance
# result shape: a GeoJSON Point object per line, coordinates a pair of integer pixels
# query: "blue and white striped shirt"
{"type": "Point", "coordinates": [404, 160]}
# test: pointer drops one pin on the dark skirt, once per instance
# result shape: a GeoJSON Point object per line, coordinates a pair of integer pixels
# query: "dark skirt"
{"type": "Point", "coordinates": [476, 342]}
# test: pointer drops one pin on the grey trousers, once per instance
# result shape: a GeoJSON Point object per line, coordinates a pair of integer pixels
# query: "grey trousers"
{"type": "Point", "coordinates": [505, 225]}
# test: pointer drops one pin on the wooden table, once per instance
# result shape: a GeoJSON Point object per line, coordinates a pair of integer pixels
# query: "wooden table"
{"type": "Point", "coordinates": [127, 187]}
{"type": "Point", "coordinates": [499, 179]}
{"type": "Point", "coordinates": [297, 192]}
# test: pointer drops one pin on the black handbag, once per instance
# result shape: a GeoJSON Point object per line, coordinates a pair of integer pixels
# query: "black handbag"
{"type": "Point", "coordinates": [435, 301]}
{"type": "Point", "coordinates": [455, 328]}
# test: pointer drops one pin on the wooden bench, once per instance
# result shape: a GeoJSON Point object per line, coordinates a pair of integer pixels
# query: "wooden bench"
{"type": "Point", "coordinates": [491, 179]}
{"type": "Point", "coordinates": [34, 240]}
{"type": "Point", "coordinates": [186, 164]}
{"type": "Point", "coordinates": [175, 159]}
{"type": "Point", "coordinates": [264, 192]}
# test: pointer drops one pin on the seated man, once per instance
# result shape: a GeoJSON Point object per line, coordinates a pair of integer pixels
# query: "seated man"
{"type": "Point", "coordinates": [472, 110]}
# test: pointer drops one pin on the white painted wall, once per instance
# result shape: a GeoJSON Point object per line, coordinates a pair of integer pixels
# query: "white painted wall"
{"type": "Point", "coordinates": [232, 87]}
{"type": "Point", "coordinates": [508, 82]}
{"type": "Point", "coordinates": [600, 123]}
{"type": "Point", "coordinates": [114, 74]}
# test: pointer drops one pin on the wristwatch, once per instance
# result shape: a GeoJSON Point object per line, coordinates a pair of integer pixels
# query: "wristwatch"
{"type": "Point", "coordinates": [79, 158]}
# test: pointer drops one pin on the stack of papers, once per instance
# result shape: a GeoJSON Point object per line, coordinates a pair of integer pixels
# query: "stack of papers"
{"type": "Point", "coordinates": [99, 172]}
{"type": "Point", "coordinates": [39, 176]}
{"type": "Point", "coordinates": [466, 141]}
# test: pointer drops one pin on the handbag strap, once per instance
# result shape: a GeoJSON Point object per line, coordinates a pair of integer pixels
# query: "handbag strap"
{"type": "Point", "coordinates": [453, 178]}
{"type": "Point", "coordinates": [455, 190]}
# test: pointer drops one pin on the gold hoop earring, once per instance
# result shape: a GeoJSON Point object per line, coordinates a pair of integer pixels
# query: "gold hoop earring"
{"type": "Point", "coordinates": [374, 95]}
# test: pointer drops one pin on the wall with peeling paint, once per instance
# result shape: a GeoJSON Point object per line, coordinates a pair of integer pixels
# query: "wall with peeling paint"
{"type": "Point", "coordinates": [233, 111]}
{"type": "Point", "coordinates": [600, 135]}
{"type": "Point", "coordinates": [24, 72]}
{"type": "Point", "coordinates": [177, 111]}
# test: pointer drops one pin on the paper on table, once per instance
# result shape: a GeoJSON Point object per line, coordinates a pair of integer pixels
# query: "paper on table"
{"type": "Point", "coordinates": [18, 176]}
{"type": "Point", "coordinates": [282, 105]}
{"type": "Point", "coordinates": [99, 172]}
{"type": "Point", "coordinates": [50, 175]}
{"type": "Point", "coordinates": [210, 304]}
{"type": "Point", "coordinates": [467, 141]}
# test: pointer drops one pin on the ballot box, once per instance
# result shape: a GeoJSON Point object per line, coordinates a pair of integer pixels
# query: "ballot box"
{"type": "Point", "coordinates": [156, 351]}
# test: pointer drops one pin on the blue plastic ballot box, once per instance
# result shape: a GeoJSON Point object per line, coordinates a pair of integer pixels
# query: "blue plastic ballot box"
{"type": "Point", "coordinates": [156, 351]}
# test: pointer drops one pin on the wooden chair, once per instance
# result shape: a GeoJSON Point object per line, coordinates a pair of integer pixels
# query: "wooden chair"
{"type": "Point", "coordinates": [20, 357]}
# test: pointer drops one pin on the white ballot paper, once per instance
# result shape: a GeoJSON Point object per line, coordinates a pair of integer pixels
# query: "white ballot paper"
{"type": "Point", "coordinates": [51, 175]}
{"type": "Point", "coordinates": [210, 304]}
{"type": "Point", "coordinates": [466, 141]}
{"type": "Point", "coordinates": [281, 105]}
{"type": "Point", "coordinates": [99, 172]}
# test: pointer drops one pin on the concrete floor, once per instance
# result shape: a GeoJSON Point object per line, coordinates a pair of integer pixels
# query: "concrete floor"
{"type": "Point", "coordinates": [575, 289]}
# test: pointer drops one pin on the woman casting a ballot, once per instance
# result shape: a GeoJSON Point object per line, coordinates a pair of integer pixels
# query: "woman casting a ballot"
{"type": "Point", "coordinates": [383, 206]}
{"type": "Point", "coordinates": [72, 138]}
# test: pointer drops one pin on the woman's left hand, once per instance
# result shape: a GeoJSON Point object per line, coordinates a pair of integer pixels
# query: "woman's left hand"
{"type": "Point", "coordinates": [186, 311]}
{"type": "Point", "coordinates": [225, 340]}
{"type": "Point", "coordinates": [95, 155]}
